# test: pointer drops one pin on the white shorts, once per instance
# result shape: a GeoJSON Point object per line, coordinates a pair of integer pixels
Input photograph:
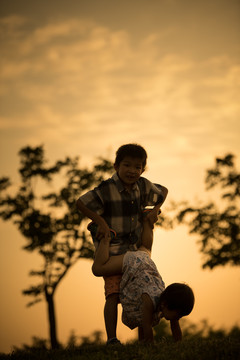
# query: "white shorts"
{"type": "Point", "coordinates": [140, 275]}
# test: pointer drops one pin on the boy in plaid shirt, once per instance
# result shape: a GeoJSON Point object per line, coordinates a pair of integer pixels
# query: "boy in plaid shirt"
{"type": "Point", "coordinates": [118, 204]}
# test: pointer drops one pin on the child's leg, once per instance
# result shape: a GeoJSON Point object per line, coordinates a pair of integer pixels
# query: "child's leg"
{"type": "Point", "coordinates": [147, 235]}
{"type": "Point", "coordinates": [112, 289]}
{"type": "Point", "coordinates": [105, 265]}
{"type": "Point", "coordinates": [110, 315]}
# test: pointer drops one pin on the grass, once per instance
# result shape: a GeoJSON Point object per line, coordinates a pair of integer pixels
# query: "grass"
{"type": "Point", "coordinates": [200, 342]}
{"type": "Point", "coordinates": [196, 348]}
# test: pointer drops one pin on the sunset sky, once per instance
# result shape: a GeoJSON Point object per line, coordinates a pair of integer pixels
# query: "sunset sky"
{"type": "Point", "coordinates": [83, 77]}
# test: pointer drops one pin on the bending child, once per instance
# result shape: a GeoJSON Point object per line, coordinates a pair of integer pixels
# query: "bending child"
{"type": "Point", "coordinates": [143, 295]}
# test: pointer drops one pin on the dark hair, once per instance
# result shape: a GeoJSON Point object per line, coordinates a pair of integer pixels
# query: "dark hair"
{"type": "Point", "coordinates": [178, 297]}
{"type": "Point", "coordinates": [132, 150]}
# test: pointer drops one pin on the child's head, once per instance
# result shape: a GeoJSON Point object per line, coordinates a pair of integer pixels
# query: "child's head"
{"type": "Point", "coordinates": [177, 298]}
{"type": "Point", "coordinates": [134, 151]}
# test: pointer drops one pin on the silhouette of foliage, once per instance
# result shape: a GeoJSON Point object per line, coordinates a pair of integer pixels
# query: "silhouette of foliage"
{"type": "Point", "coordinates": [37, 344]}
{"type": "Point", "coordinates": [217, 223]}
{"type": "Point", "coordinates": [49, 221]}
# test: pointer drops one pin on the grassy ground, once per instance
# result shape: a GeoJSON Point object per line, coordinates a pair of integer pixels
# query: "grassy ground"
{"type": "Point", "coordinates": [223, 348]}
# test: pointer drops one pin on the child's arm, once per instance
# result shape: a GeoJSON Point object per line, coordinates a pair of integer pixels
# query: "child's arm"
{"type": "Point", "coordinates": [103, 228]}
{"type": "Point", "coordinates": [147, 318]}
{"type": "Point", "coordinates": [176, 330]}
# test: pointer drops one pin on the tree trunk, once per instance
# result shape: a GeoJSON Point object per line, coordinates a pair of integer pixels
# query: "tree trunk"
{"type": "Point", "coordinates": [51, 320]}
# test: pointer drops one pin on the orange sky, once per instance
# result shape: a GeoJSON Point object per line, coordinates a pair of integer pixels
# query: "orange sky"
{"type": "Point", "coordinates": [84, 77]}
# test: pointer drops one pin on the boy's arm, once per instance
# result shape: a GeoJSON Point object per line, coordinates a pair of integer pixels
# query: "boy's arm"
{"type": "Point", "coordinates": [176, 330]}
{"type": "Point", "coordinates": [103, 228]}
{"type": "Point", "coordinates": [164, 191]}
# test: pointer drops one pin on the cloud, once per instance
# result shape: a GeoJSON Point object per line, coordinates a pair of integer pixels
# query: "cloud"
{"type": "Point", "coordinates": [79, 82]}
{"type": "Point", "coordinates": [11, 23]}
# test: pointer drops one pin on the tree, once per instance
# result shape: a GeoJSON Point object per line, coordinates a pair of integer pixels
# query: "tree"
{"type": "Point", "coordinates": [50, 221]}
{"type": "Point", "coordinates": [217, 223]}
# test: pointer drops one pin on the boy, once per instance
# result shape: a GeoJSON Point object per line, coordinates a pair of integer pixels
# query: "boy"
{"type": "Point", "coordinates": [118, 204]}
{"type": "Point", "coordinates": [142, 291]}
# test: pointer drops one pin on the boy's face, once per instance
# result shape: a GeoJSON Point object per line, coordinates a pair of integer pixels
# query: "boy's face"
{"type": "Point", "coordinates": [129, 170]}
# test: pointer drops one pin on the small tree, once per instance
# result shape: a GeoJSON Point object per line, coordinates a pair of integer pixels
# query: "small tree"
{"type": "Point", "coordinates": [50, 221]}
{"type": "Point", "coordinates": [218, 229]}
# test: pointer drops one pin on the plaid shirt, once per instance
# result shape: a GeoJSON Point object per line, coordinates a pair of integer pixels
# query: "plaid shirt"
{"type": "Point", "coordinates": [122, 210]}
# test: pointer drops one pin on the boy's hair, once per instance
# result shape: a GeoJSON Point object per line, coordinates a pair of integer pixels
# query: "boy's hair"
{"type": "Point", "coordinates": [132, 150]}
{"type": "Point", "coordinates": [178, 297]}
